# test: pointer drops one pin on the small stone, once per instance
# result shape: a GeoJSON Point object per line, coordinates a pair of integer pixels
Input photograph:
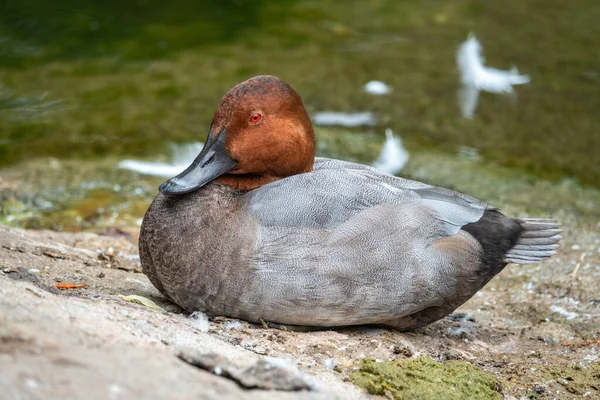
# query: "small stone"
{"type": "Point", "coordinates": [172, 308]}
{"type": "Point", "coordinates": [539, 389]}
{"type": "Point", "coordinates": [259, 350]}
{"type": "Point", "coordinates": [402, 350]}
{"type": "Point", "coordinates": [549, 341]}
{"type": "Point", "coordinates": [268, 373]}
{"type": "Point", "coordinates": [33, 271]}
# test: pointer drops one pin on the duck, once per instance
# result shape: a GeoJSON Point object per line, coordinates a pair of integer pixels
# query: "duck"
{"type": "Point", "coordinates": [257, 228]}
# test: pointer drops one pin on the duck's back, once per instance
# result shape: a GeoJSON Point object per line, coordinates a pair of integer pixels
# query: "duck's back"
{"type": "Point", "coordinates": [341, 245]}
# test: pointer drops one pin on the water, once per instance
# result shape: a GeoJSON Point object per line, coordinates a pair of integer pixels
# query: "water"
{"type": "Point", "coordinates": [86, 84]}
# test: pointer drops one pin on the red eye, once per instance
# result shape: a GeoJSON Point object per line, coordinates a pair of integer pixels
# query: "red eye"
{"type": "Point", "coordinates": [255, 119]}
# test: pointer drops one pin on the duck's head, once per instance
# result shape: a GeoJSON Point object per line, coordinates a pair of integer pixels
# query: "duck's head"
{"type": "Point", "coordinates": [259, 134]}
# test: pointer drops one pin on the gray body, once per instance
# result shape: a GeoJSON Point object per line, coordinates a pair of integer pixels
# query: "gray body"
{"type": "Point", "coordinates": [342, 245]}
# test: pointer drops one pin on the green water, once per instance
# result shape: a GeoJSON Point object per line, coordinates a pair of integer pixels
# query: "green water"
{"type": "Point", "coordinates": [96, 81]}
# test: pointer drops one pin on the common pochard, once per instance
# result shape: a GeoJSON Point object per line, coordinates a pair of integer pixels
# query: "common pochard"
{"type": "Point", "coordinates": [257, 228]}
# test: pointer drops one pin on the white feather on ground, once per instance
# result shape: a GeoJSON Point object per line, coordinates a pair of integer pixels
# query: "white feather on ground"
{"type": "Point", "coordinates": [393, 156]}
{"type": "Point", "coordinates": [199, 320]}
{"type": "Point", "coordinates": [377, 88]}
{"type": "Point", "coordinates": [475, 76]}
{"type": "Point", "coordinates": [182, 157]}
{"type": "Point", "coordinates": [327, 118]}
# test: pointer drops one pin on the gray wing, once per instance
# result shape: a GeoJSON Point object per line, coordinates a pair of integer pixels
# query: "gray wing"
{"type": "Point", "coordinates": [347, 244]}
{"type": "Point", "coordinates": [337, 190]}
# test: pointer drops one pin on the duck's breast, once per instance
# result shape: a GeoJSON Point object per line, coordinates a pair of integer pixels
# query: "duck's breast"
{"type": "Point", "coordinates": [197, 249]}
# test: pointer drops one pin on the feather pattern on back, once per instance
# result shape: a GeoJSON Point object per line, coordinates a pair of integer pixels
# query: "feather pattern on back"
{"type": "Point", "coordinates": [336, 190]}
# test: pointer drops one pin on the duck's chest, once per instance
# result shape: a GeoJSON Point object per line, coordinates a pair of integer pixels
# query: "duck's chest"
{"type": "Point", "coordinates": [203, 216]}
{"type": "Point", "coordinates": [192, 246]}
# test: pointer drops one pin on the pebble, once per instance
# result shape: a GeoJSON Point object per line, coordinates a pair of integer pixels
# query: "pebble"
{"type": "Point", "coordinates": [539, 389]}
{"type": "Point", "coordinates": [402, 350]}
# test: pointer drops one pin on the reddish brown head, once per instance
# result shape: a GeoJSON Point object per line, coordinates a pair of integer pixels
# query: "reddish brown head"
{"type": "Point", "coordinates": [259, 134]}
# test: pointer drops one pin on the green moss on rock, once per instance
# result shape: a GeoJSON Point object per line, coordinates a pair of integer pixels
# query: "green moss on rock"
{"type": "Point", "coordinates": [423, 378]}
{"type": "Point", "coordinates": [578, 379]}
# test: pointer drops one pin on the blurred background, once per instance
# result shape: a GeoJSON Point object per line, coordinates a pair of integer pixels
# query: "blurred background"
{"type": "Point", "coordinates": [87, 84]}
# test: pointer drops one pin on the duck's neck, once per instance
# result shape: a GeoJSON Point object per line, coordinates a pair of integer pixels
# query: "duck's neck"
{"type": "Point", "coordinates": [247, 181]}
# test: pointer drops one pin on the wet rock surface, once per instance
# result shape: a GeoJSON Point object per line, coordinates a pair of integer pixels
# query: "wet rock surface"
{"type": "Point", "coordinates": [74, 323]}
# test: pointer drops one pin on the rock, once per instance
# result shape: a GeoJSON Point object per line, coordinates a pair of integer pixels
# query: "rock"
{"type": "Point", "coordinates": [89, 344]}
{"type": "Point", "coordinates": [404, 351]}
{"type": "Point", "coordinates": [56, 347]}
{"type": "Point", "coordinates": [539, 389]}
{"type": "Point", "coordinates": [269, 373]}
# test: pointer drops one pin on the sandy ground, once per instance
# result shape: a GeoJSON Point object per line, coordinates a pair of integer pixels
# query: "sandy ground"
{"type": "Point", "coordinates": [535, 327]}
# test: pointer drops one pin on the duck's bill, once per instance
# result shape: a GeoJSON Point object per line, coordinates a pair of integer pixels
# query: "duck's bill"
{"type": "Point", "coordinates": [212, 162]}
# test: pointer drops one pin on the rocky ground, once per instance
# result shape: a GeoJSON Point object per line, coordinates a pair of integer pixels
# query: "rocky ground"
{"type": "Point", "coordinates": [533, 332]}
{"type": "Point", "coordinates": [535, 328]}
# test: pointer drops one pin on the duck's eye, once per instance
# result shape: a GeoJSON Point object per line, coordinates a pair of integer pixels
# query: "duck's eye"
{"type": "Point", "coordinates": [255, 119]}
